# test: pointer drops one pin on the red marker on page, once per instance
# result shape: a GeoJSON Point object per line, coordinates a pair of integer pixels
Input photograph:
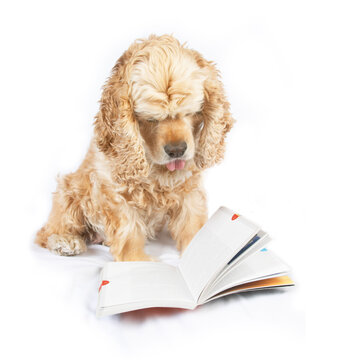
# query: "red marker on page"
{"type": "Point", "coordinates": [104, 282]}
{"type": "Point", "coordinates": [235, 216]}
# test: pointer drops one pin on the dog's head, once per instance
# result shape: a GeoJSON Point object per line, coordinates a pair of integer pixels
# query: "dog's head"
{"type": "Point", "coordinates": [165, 105]}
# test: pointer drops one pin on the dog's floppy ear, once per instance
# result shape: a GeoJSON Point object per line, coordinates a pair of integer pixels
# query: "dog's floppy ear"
{"type": "Point", "coordinates": [217, 118]}
{"type": "Point", "coordinates": [116, 130]}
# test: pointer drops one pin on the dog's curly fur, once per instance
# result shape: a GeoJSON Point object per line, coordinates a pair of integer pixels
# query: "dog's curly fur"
{"type": "Point", "coordinates": [159, 92]}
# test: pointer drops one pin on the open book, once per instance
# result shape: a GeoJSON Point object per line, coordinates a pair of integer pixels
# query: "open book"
{"type": "Point", "coordinates": [226, 256]}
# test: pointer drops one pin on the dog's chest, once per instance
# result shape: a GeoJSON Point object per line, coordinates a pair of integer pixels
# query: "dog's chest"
{"type": "Point", "coordinates": [156, 199]}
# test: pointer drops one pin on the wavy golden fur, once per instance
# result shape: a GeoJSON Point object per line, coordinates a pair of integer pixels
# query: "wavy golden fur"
{"type": "Point", "coordinates": [159, 94]}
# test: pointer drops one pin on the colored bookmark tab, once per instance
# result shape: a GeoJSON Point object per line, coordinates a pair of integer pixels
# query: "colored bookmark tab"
{"type": "Point", "coordinates": [104, 282]}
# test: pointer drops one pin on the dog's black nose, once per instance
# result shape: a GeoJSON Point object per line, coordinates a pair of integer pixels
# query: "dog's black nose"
{"type": "Point", "coordinates": [175, 150]}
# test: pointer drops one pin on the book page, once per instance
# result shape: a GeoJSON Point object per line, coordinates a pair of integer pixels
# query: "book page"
{"type": "Point", "coordinates": [127, 286]}
{"type": "Point", "coordinates": [254, 245]}
{"type": "Point", "coordinates": [261, 265]}
{"type": "Point", "coordinates": [223, 236]}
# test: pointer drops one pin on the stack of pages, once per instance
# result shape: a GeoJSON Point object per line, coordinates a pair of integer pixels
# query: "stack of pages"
{"type": "Point", "coordinates": [226, 256]}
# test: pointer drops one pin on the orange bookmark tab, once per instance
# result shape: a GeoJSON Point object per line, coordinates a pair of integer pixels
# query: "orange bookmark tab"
{"type": "Point", "coordinates": [235, 216]}
{"type": "Point", "coordinates": [104, 282]}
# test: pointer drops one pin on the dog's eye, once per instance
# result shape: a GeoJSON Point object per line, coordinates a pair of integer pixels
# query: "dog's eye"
{"type": "Point", "coordinates": [152, 120]}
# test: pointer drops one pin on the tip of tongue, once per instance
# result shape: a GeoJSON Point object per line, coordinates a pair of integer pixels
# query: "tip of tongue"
{"type": "Point", "coordinates": [176, 165]}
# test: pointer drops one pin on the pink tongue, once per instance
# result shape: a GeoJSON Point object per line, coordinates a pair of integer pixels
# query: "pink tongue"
{"type": "Point", "coordinates": [176, 165]}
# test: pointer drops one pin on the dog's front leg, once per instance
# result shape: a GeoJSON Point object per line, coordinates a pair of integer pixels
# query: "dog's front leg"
{"type": "Point", "coordinates": [126, 237]}
{"type": "Point", "coordinates": [189, 219]}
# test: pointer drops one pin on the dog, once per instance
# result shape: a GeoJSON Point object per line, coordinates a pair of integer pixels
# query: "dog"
{"type": "Point", "coordinates": [162, 120]}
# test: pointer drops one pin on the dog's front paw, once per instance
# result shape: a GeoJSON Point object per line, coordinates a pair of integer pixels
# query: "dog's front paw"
{"type": "Point", "coordinates": [134, 257]}
{"type": "Point", "coordinates": [66, 245]}
{"type": "Point", "coordinates": [146, 257]}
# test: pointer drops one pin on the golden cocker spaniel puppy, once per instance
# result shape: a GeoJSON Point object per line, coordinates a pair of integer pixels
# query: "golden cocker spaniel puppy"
{"type": "Point", "coordinates": [162, 120]}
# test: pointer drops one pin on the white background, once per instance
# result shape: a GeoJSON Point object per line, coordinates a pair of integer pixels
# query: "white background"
{"type": "Point", "coordinates": [278, 63]}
